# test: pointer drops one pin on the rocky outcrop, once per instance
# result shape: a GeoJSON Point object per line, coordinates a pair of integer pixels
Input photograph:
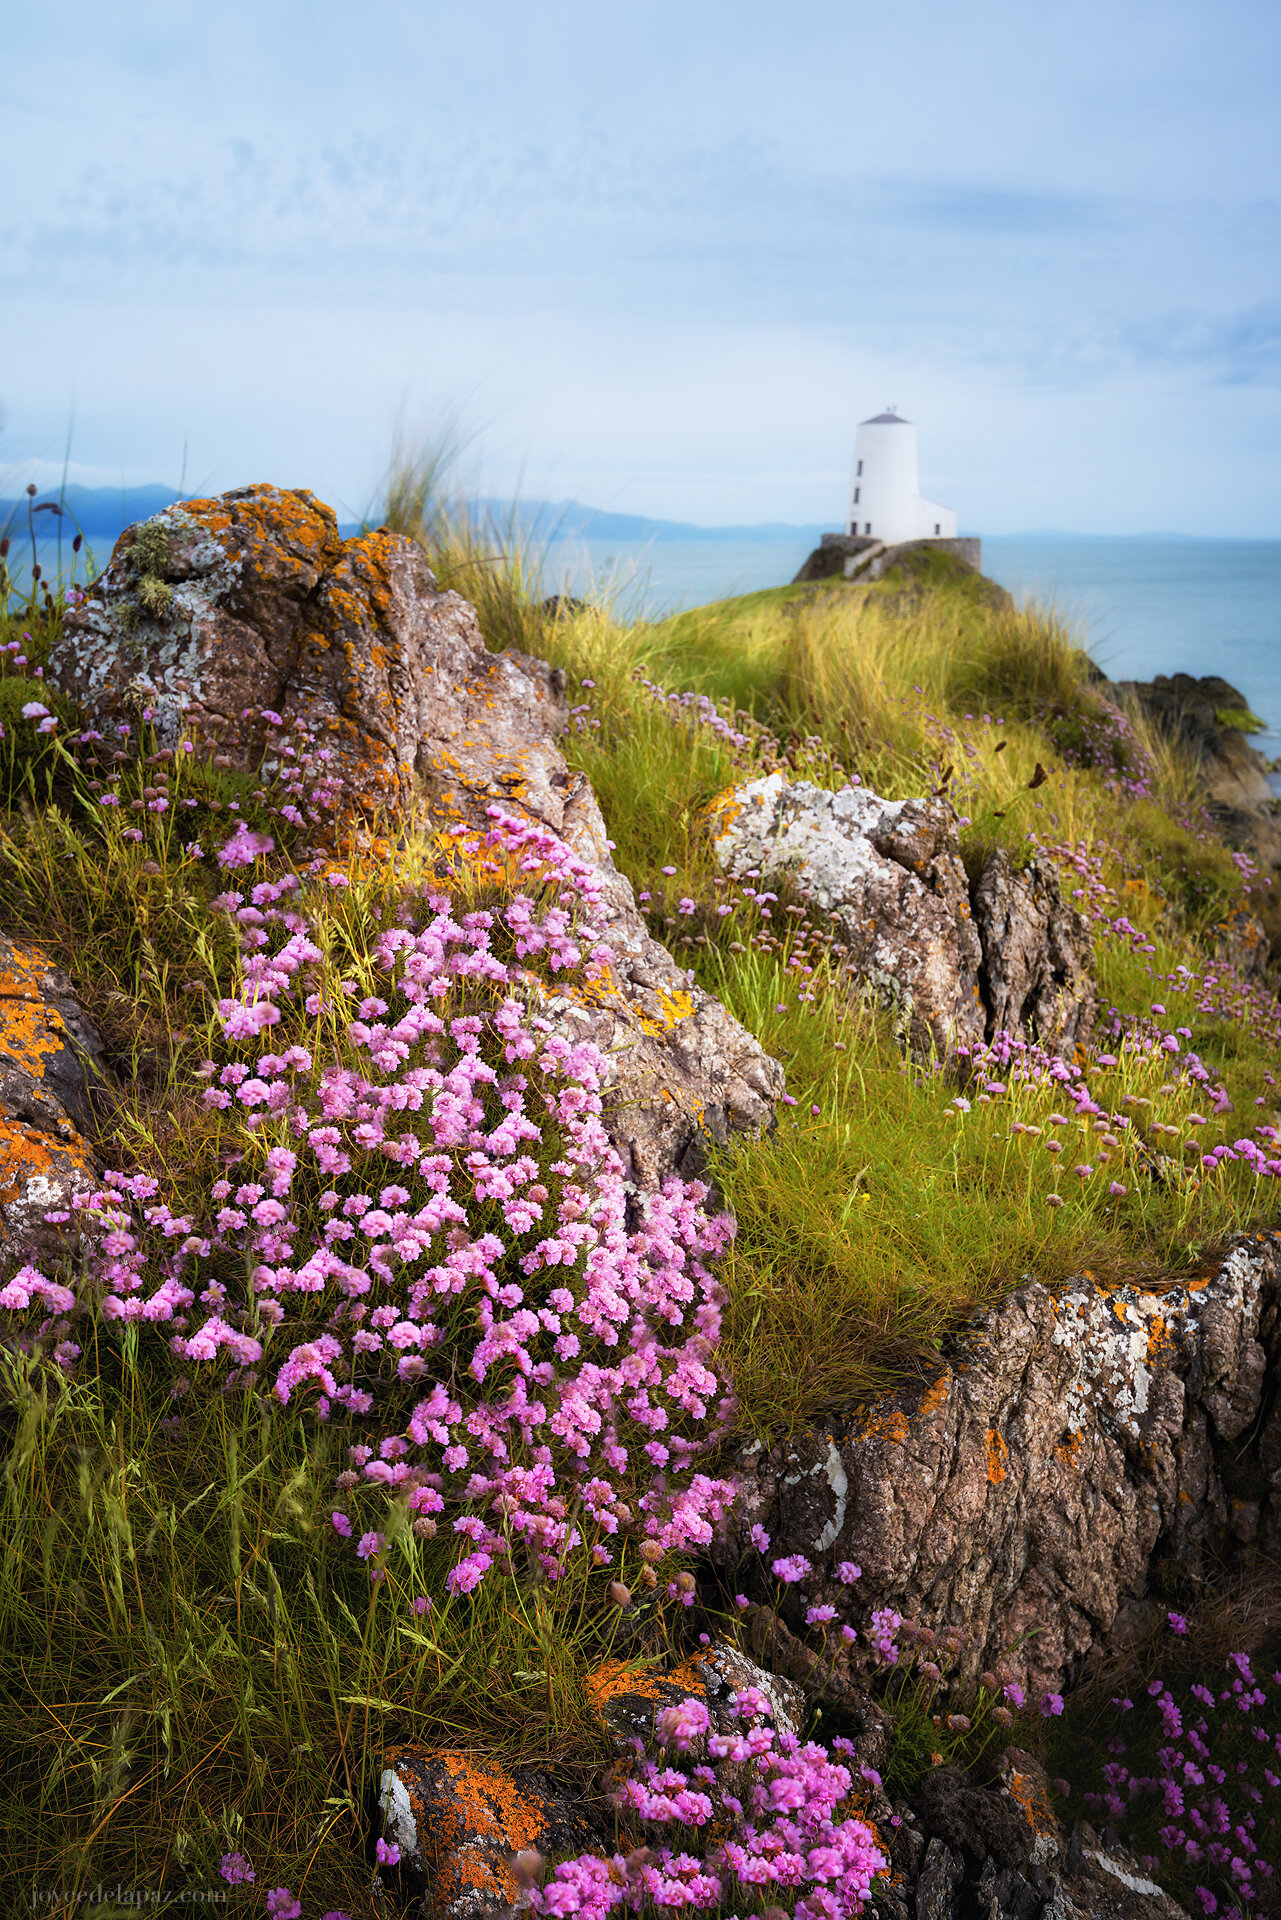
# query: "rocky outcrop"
{"type": "Point", "coordinates": [1211, 719]}
{"type": "Point", "coordinates": [1076, 1441]}
{"type": "Point", "coordinates": [888, 873]}
{"type": "Point", "coordinates": [221, 610]}
{"type": "Point", "coordinates": [1037, 976]}
{"type": "Point", "coordinates": [854, 556]}
{"type": "Point", "coordinates": [49, 1053]}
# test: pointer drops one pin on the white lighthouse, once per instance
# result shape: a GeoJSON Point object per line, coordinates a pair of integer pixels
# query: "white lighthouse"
{"type": "Point", "coordinates": [885, 499]}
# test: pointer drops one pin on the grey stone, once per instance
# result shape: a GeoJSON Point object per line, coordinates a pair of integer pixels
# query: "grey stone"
{"type": "Point", "coordinates": [1037, 977]}
{"type": "Point", "coordinates": [888, 874]}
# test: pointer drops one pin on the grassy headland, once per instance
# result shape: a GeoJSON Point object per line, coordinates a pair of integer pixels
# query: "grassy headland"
{"type": "Point", "coordinates": [194, 1661]}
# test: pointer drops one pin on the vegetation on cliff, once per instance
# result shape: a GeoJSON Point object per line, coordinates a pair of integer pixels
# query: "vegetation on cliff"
{"type": "Point", "coordinates": [198, 1663]}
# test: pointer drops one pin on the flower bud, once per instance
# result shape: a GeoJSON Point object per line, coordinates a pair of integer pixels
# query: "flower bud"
{"type": "Point", "coordinates": [529, 1867]}
{"type": "Point", "coordinates": [620, 1595]}
{"type": "Point", "coordinates": [685, 1582]}
{"type": "Point", "coordinates": [650, 1552]}
{"type": "Point", "coordinates": [648, 1578]}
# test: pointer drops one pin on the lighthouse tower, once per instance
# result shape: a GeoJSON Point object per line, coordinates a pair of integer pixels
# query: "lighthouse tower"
{"type": "Point", "coordinates": [885, 499]}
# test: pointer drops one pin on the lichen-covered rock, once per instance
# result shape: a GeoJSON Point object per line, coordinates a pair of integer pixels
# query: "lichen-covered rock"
{"type": "Point", "coordinates": [1037, 977]}
{"type": "Point", "coordinates": [460, 1822]}
{"type": "Point", "coordinates": [628, 1700]}
{"type": "Point", "coordinates": [888, 873]}
{"type": "Point", "coordinates": [1076, 1440]}
{"type": "Point", "coordinates": [48, 1050]}
{"type": "Point", "coordinates": [219, 610]}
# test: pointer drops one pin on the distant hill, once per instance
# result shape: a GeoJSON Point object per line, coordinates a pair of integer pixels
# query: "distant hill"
{"type": "Point", "coordinates": [102, 514]}
{"type": "Point", "coordinates": [98, 512]}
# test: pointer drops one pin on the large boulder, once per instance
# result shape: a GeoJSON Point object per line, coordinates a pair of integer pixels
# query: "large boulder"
{"type": "Point", "coordinates": [218, 611]}
{"type": "Point", "coordinates": [1077, 1440]}
{"type": "Point", "coordinates": [1017, 958]}
{"type": "Point", "coordinates": [888, 873]}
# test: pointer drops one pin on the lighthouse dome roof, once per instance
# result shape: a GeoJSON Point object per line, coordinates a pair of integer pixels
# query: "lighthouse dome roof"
{"type": "Point", "coordinates": [890, 419]}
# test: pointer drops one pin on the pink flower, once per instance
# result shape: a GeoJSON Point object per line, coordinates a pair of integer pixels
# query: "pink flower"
{"type": "Point", "coordinates": [1051, 1703]}
{"type": "Point", "coordinates": [235, 1869]}
{"type": "Point", "coordinates": [342, 1525]}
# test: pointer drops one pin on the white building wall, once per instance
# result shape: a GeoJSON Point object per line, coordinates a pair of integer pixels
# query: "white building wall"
{"type": "Point", "coordinates": [885, 499]}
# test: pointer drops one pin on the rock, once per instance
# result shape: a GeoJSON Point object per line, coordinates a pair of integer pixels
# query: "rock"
{"type": "Point", "coordinates": [627, 1700]}
{"type": "Point", "coordinates": [1106, 1883]}
{"type": "Point", "coordinates": [1199, 715]}
{"type": "Point", "coordinates": [972, 1820]}
{"type": "Point", "coordinates": [1037, 977]}
{"type": "Point", "coordinates": [48, 1054]}
{"type": "Point", "coordinates": [217, 610]}
{"type": "Point", "coordinates": [460, 1822]}
{"type": "Point", "coordinates": [888, 873]}
{"type": "Point", "coordinates": [1241, 942]}
{"type": "Point", "coordinates": [254, 602]}
{"type": "Point", "coordinates": [941, 1874]}
{"type": "Point", "coordinates": [1026, 1785]}
{"type": "Point", "coordinates": [1076, 1440]}
{"type": "Point", "coordinates": [1189, 710]}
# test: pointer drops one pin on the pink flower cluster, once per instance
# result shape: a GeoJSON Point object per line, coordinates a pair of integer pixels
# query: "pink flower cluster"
{"type": "Point", "coordinates": [783, 1828]}
{"type": "Point", "coordinates": [1213, 1783]}
{"type": "Point", "coordinates": [427, 1224]}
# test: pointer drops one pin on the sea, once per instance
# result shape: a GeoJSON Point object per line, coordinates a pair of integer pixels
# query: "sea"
{"type": "Point", "coordinates": [1143, 605]}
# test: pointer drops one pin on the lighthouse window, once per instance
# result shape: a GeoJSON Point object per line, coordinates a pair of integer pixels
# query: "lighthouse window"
{"type": "Point", "coordinates": [857, 491]}
{"type": "Point", "coordinates": [937, 529]}
{"type": "Point", "coordinates": [868, 527]}
{"type": "Point", "coordinates": [858, 470]}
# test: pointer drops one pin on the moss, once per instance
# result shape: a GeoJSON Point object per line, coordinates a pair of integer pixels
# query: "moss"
{"type": "Point", "coordinates": [148, 561]}
{"type": "Point", "coordinates": [1239, 720]}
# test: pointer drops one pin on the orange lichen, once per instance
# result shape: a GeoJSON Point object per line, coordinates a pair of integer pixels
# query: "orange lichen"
{"type": "Point", "coordinates": [619, 1679]}
{"type": "Point", "coordinates": [30, 1029]}
{"type": "Point", "coordinates": [1067, 1450]}
{"type": "Point", "coordinates": [27, 1154]}
{"type": "Point", "coordinates": [889, 1424]}
{"type": "Point", "coordinates": [997, 1455]}
{"type": "Point", "coordinates": [934, 1399]}
{"type": "Point", "coordinates": [467, 1831]}
{"type": "Point", "coordinates": [1034, 1801]}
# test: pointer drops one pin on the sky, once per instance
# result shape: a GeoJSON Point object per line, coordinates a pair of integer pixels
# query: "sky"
{"type": "Point", "coordinates": [660, 258]}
